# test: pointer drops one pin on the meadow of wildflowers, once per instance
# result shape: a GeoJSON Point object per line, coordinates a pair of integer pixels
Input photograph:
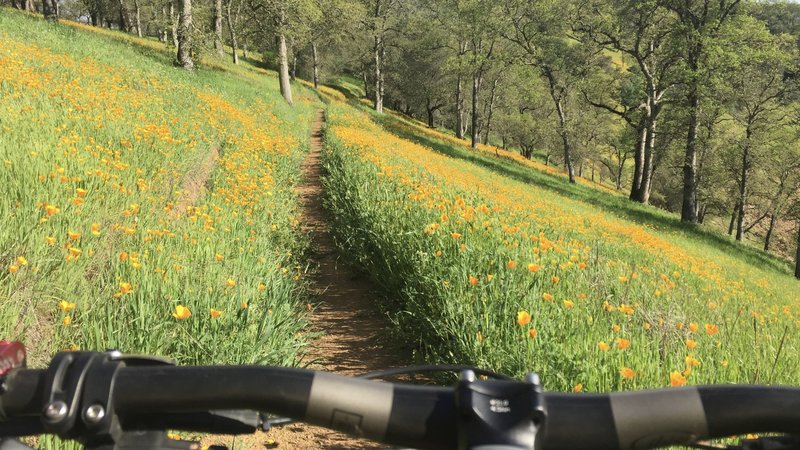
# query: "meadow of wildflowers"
{"type": "Point", "coordinates": [143, 208]}
{"type": "Point", "coordinates": [510, 276]}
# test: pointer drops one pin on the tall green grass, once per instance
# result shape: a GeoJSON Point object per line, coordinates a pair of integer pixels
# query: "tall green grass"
{"type": "Point", "coordinates": [471, 253]}
{"type": "Point", "coordinates": [100, 138]}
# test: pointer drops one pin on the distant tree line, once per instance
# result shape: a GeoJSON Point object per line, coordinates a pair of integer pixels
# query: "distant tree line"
{"type": "Point", "coordinates": [689, 105]}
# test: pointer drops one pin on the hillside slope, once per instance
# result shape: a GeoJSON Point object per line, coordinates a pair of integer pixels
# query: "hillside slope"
{"type": "Point", "coordinates": [135, 195]}
{"type": "Point", "coordinates": [504, 267]}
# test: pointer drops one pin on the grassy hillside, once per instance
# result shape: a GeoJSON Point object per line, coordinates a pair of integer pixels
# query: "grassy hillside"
{"type": "Point", "coordinates": [502, 265]}
{"type": "Point", "coordinates": [145, 208]}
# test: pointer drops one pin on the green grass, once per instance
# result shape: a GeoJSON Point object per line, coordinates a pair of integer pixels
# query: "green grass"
{"type": "Point", "coordinates": [457, 298]}
{"type": "Point", "coordinates": [104, 130]}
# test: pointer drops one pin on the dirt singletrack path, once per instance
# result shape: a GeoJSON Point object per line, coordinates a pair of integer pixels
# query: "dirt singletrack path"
{"type": "Point", "coordinates": [345, 312]}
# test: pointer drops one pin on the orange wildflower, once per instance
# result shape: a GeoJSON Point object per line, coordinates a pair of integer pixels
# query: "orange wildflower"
{"type": "Point", "coordinates": [548, 297]}
{"type": "Point", "coordinates": [473, 281]}
{"type": "Point", "coordinates": [66, 306]}
{"type": "Point", "coordinates": [181, 312]}
{"type": "Point", "coordinates": [627, 373]}
{"type": "Point", "coordinates": [511, 264]}
{"type": "Point", "coordinates": [602, 346]}
{"type": "Point", "coordinates": [215, 313]}
{"type": "Point", "coordinates": [623, 344]}
{"type": "Point", "coordinates": [533, 268]}
{"type": "Point", "coordinates": [711, 329]}
{"type": "Point", "coordinates": [676, 379]}
{"type": "Point", "coordinates": [523, 318]}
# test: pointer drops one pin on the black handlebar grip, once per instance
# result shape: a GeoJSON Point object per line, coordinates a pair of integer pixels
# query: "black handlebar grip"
{"type": "Point", "coordinates": [164, 389]}
{"type": "Point", "coordinates": [754, 409]}
{"type": "Point", "coordinates": [628, 420]}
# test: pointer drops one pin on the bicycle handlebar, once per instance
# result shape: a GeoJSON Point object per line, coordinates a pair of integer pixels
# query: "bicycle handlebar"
{"type": "Point", "coordinates": [416, 416]}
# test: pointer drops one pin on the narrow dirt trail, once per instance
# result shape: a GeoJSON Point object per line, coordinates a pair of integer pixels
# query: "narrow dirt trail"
{"type": "Point", "coordinates": [345, 311]}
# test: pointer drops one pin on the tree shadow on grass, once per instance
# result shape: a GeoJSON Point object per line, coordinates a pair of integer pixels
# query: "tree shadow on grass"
{"type": "Point", "coordinates": [619, 206]}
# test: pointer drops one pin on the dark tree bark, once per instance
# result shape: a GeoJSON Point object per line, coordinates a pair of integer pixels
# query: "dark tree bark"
{"type": "Point", "coordinates": [734, 215]}
{"type": "Point", "coordinates": [124, 16]}
{"type": "Point", "coordinates": [689, 206]}
{"type": "Point", "coordinates": [430, 109]}
{"type": "Point", "coordinates": [185, 36]}
{"type": "Point", "coordinates": [294, 63]}
{"type": "Point", "coordinates": [797, 256]}
{"type": "Point", "coordinates": [743, 180]}
{"type": "Point", "coordinates": [50, 10]}
{"type": "Point", "coordinates": [773, 218]}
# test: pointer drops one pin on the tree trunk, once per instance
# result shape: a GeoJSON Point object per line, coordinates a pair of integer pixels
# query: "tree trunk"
{"type": "Point", "coordinates": [378, 73]}
{"type": "Point", "coordinates": [232, 31]}
{"type": "Point", "coordinates": [773, 218]}
{"type": "Point", "coordinates": [557, 97]}
{"type": "Point", "coordinates": [638, 160]}
{"type": "Point", "coordinates": [244, 50]}
{"type": "Point", "coordinates": [744, 175]}
{"type": "Point", "coordinates": [797, 256]}
{"type": "Point", "coordinates": [124, 16]}
{"type": "Point", "coordinates": [218, 28]}
{"type": "Point", "coordinates": [459, 109]}
{"type": "Point", "coordinates": [185, 36]}
{"type": "Point", "coordinates": [476, 86]}
{"type": "Point", "coordinates": [315, 57]}
{"type": "Point", "coordinates": [293, 73]}
{"type": "Point", "coordinates": [138, 16]}
{"type": "Point", "coordinates": [283, 69]}
{"type": "Point", "coordinates": [430, 110]}
{"type": "Point", "coordinates": [689, 207]}
{"type": "Point", "coordinates": [647, 167]}
{"type": "Point", "coordinates": [162, 32]}
{"type": "Point", "coordinates": [174, 27]}
{"type": "Point", "coordinates": [562, 129]}
{"type": "Point", "coordinates": [49, 10]}
{"type": "Point", "coordinates": [492, 98]}
{"type": "Point", "coordinates": [733, 218]}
